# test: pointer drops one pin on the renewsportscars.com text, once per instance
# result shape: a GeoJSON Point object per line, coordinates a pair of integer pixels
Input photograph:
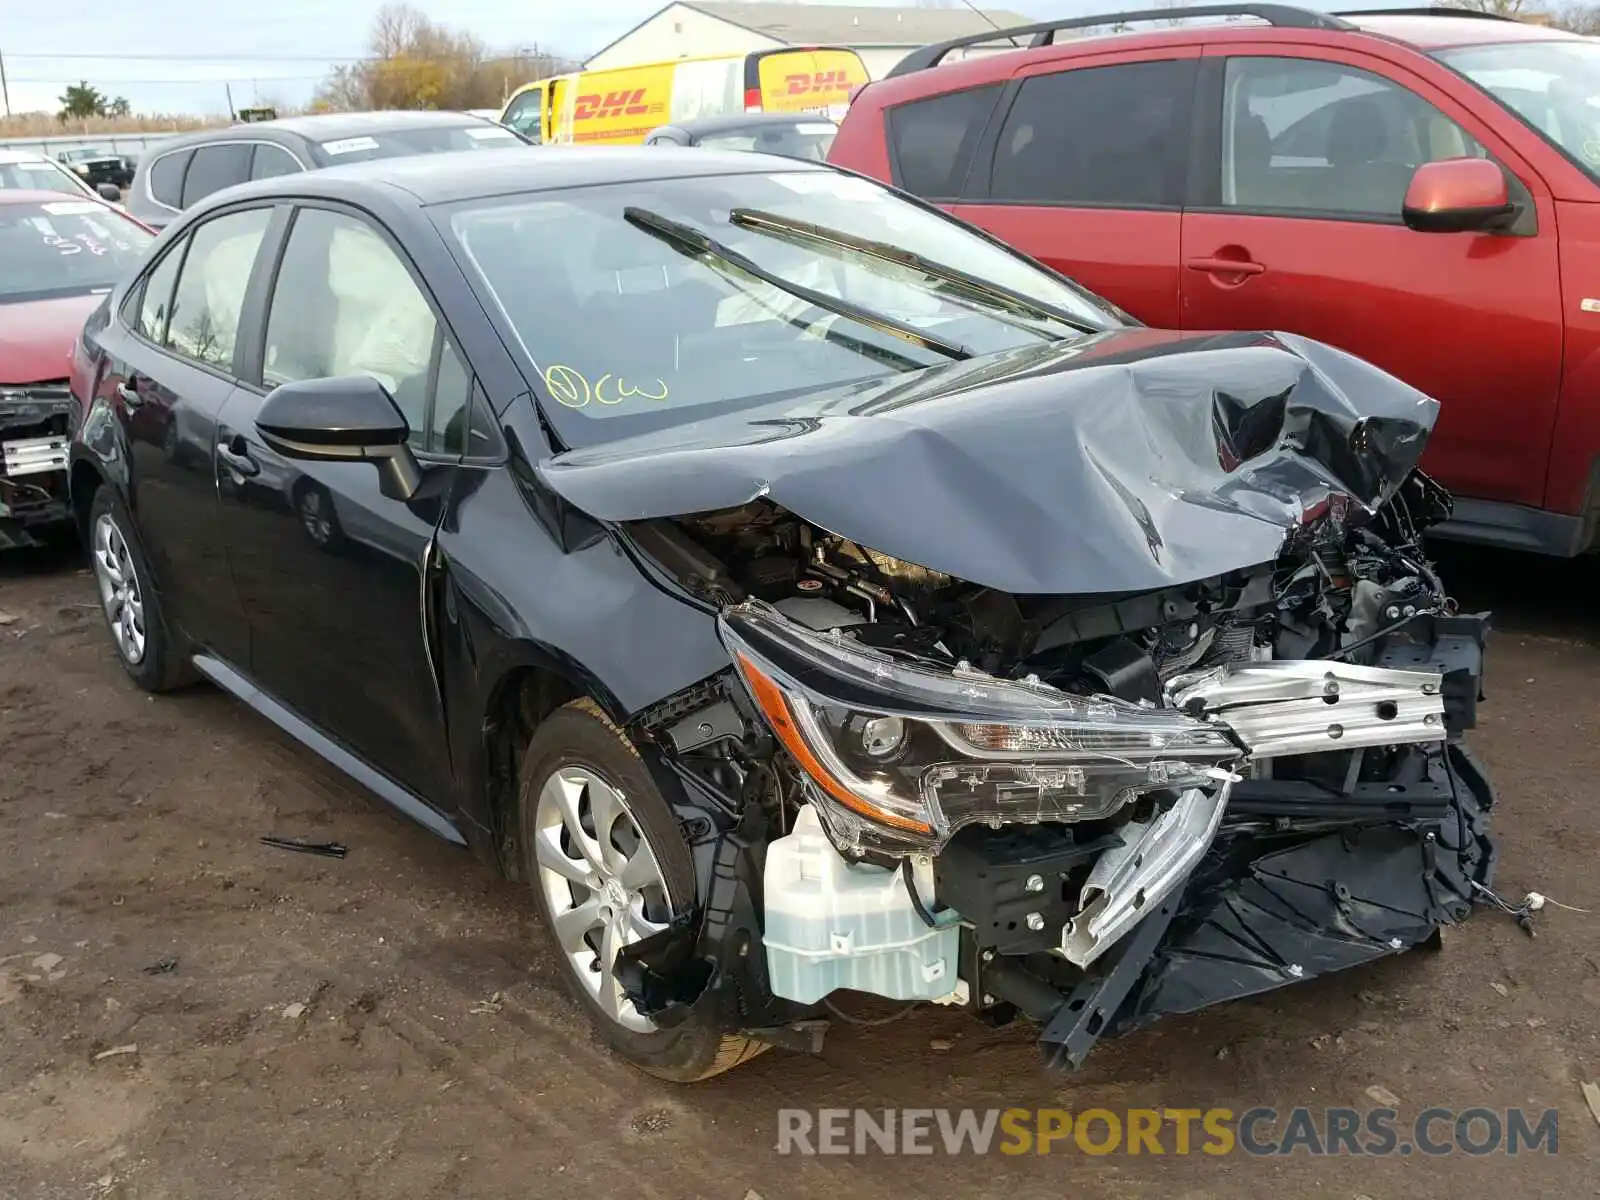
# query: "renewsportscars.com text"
{"type": "Point", "coordinates": [1260, 1132]}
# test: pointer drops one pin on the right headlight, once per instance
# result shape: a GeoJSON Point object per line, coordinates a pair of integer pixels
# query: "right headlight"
{"type": "Point", "coordinates": [899, 755]}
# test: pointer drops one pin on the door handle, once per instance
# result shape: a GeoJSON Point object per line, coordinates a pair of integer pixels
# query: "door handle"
{"type": "Point", "coordinates": [1226, 266]}
{"type": "Point", "coordinates": [128, 392]}
{"type": "Point", "coordinates": [238, 463]}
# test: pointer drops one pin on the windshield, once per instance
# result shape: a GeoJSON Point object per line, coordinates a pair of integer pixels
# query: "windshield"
{"type": "Point", "coordinates": [1553, 86]}
{"type": "Point", "coordinates": [432, 139]}
{"type": "Point", "coordinates": [39, 176]}
{"type": "Point", "coordinates": [522, 114]}
{"type": "Point", "coordinates": [807, 140]}
{"type": "Point", "coordinates": [65, 248]}
{"type": "Point", "coordinates": [631, 330]}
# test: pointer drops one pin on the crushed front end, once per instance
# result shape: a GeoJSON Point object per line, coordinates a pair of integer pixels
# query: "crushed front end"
{"type": "Point", "coordinates": [1092, 810]}
{"type": "Point", "coordinates": [34, 433]}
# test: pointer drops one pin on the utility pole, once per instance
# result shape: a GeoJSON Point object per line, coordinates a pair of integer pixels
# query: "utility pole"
{"type": "Point", "coordinates": [5, 91]}
{"type": "Point", "coordinates": [233, 113]}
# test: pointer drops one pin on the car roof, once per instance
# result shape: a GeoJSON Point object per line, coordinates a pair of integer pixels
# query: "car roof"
{"type": "Point", "coordinates": [22, 156]}
{"type": "Point", "coordinates": [318, 127]}
{"type": "Point", "coordinates": [41, 196]}
{"type": "Point", "coordinates": [1422, 29]}
{"type": "Point", "coordinates": [445, 178]}
{"type": "Point", "coordinates": [323, 126]}
{"type": "Point", "coordinates": [718, 124]}
{"type": "Point", "coordinates": [1431, 31]}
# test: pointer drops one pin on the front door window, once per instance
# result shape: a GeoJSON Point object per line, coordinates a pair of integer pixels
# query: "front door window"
{"type": "Point", "coordinates": [1327, 139]}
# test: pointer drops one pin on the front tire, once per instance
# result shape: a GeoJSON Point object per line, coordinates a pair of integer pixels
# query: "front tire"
{"type": "Point", "coordinates": [608, 864]}
{"type": "Point", "coordinates": [128, 600]}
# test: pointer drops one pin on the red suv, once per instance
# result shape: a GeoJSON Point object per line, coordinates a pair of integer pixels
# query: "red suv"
{"type": "Point", "coordinates": [1421, 188]}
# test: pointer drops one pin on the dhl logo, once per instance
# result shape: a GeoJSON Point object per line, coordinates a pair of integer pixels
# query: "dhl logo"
{"type": "Point", "coordinates": [613, 104]}
{"type": "Point", "coordinates": [819, 81]}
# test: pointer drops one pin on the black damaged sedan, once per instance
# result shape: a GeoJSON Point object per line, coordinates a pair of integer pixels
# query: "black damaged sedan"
{"type": "Point", "coordinates": [798, 590]}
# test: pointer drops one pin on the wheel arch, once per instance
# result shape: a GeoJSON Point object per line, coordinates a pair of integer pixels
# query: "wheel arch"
{"type": "Point", "coordinates": [99, 457]}
{"type": "Point", "coordinates": [84, 479]}
{"type": "Point", "coordinates": [520, 699]}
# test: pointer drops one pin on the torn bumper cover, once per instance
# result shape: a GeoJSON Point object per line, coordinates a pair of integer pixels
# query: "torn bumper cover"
{"type": "Point", "coordinates": [1271, 904]}
{"type": "Point", "coordinates": [1227, 891]}
{"type": "Point", "coordinates": [1280, 880]}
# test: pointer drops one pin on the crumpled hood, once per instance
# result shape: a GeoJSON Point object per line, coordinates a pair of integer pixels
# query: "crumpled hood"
{"type": "Point", "coordinates": [1125, 462]}
{"type": "Point", "coordinates": [36, 337]}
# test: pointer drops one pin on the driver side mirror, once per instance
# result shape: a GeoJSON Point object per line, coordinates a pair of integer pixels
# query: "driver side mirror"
{"type": "Point", "coordinates": [110, 192]}
{"type": "Point", "coordinates": [349, 418]}
{"type": "Point", "coordinates": [1459, 195]}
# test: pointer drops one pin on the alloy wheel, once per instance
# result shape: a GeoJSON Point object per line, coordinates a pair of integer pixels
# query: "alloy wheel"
{"type": "Point", "coordinates": [602, 885]}
{"type": "Point", "coordinates": [119, 590]}
{"type": "Point", "coordinates": [315, 517]}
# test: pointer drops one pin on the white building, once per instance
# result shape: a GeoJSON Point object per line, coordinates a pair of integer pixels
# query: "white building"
{"type": "Point", "coordinates": [882, 36]}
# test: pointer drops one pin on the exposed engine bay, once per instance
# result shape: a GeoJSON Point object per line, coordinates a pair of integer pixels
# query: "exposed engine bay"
{"type": "Point", "coordinates": [33, 461]}
{"type": "Point", "coordinates": [1337, 584]}
{"type": "Point", "coordinates": [1093, 810]}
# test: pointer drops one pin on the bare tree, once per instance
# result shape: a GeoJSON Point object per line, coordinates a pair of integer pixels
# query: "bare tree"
{"type": "Point", "coordinates": [1175, 7]}
{"type": "Point", "coordinates": [1579, 18]}
{"type": "Point", "coordinates": [416, 63]}
{"type": "Point", "coordinates": [1500, 8]}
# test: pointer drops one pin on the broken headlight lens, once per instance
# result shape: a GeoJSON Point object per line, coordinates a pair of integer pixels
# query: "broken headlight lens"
{"type": "Point", "coordinates": [901, 754]}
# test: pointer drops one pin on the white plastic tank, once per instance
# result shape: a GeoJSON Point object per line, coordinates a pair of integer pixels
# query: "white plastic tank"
{"type": "Point", "coordinates": [836, 924]}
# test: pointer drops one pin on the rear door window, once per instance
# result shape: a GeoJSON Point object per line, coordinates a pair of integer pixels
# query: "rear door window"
{"type": "Point", "coordinates": [155, 301]}
{"type": "Point", "coordinates": [1110, 136]}
{"type": "Point", "coordinates": [214, 168]}
{"type": "Point", "coordinates": [166, 178]}
{"type": "Point", "coordinates": [932, 141]}
{"type": "Point", "coordinates": [210, 294]}
{"type": "Point", "coordinates": [271, 160]}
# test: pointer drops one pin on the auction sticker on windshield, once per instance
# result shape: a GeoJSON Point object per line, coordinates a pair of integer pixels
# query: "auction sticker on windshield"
{"type": "Point", "coordinates": [846, 187]}
{"type": "Point", "coordinates": [349, 145]}
{"type": "Point", "coordinates": [486, 135]}
{"type": "Point", "coordinates": [70, 208]}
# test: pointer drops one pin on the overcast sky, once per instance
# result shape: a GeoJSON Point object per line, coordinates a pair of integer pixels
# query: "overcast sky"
{"type": "Point", "coordinates": [176, 55]}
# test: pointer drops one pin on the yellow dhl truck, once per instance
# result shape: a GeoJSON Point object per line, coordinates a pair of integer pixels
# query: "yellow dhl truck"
{"type": "Point", "coordinates": [620, 105]}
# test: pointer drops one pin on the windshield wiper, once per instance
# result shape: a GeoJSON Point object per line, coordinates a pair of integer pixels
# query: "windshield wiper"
{"type": "Point", "coordinates": [994, 294]}
{"type": "Point", "coordinates": [686, 239]}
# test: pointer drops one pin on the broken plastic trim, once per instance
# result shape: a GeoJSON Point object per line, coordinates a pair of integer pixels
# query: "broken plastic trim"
{"type": "Point", "coordinates": [1259, 912]}
{"type": "Point", "coordinates": [1155, 858]}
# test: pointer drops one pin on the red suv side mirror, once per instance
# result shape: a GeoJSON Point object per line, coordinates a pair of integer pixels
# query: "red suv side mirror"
{"type": "Point", "coordinates": [1459, 195]}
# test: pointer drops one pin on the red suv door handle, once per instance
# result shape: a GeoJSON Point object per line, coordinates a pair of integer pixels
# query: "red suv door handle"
{"type": "Point", "coordinates": [1226, 266]}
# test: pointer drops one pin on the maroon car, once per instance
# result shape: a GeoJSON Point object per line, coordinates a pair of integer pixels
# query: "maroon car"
{"type": "Point", "coordinates": [59, 257]}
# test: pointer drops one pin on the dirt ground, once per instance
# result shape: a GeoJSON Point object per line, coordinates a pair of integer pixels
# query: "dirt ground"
{"type": "Point", "coordinates": [383, 1025]}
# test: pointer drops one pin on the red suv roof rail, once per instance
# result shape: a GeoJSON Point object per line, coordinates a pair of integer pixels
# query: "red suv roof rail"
{"type": "Point", "coordinates": [1043, 34]}
{"type": "Point", "coordinates": [1437, 10]}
